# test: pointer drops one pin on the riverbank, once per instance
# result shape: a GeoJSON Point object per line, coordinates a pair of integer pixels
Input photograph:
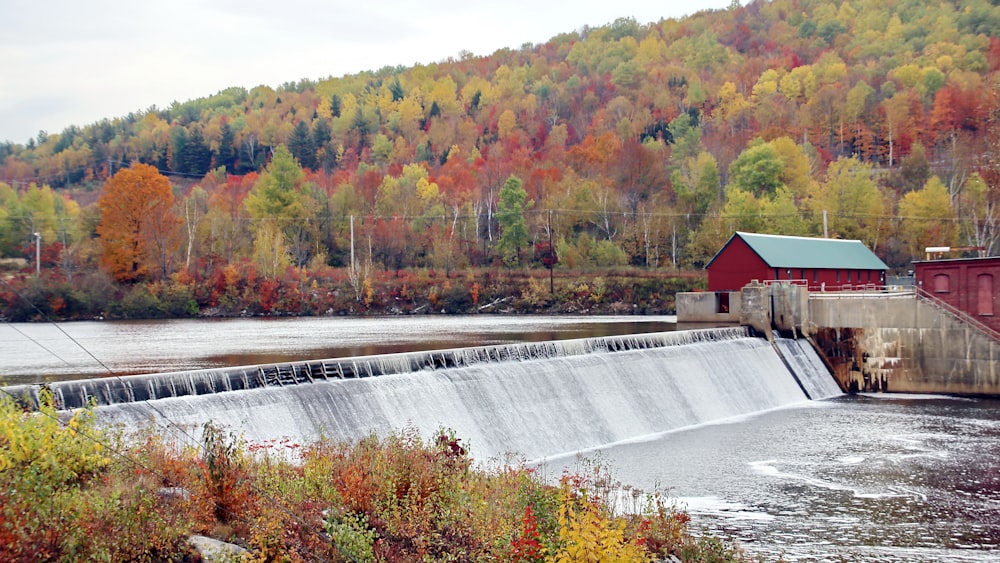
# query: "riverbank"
{"type": "Point", "coordinates": [76, 491]}
{"type": "Point", "coordinates": [237, 291]}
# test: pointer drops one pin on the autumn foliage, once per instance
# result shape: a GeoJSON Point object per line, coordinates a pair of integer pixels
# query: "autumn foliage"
{"type": "Point", "coordinates": [634, 144]}
{"type": "Point", "coordinates": [138, 229]}
{"type": "Point", "coordinates": [73, 491]}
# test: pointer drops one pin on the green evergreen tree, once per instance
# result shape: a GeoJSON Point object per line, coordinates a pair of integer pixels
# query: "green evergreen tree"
{"type": "Point", "coordinates": [178, 149]}
{"type": "Point", "coordinates": [300, 143]}
{"type": "Point", "coordinates": [321, 133]}
{"type": "Point", "coordinates": [197, 155]}
{"type": "Point", "coordinates": [281, 196]}
{"type": "Point", "coordinates": [397, 90]}
{"type": "Point", "coordinates": [226, 155]}
{"type": "Point", "coordinates": [511, 206]}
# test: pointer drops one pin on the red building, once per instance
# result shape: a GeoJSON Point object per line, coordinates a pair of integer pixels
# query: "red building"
{"type": "Point", "coordinates": [967, 284]}
{"type": "Point", "coordinates": [821, 264]}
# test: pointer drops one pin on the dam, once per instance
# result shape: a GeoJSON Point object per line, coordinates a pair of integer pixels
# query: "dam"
{"type": "Point", "coordinates": [534, 400]}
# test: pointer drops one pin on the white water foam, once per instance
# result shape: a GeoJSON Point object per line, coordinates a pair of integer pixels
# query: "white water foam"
{"type": "Point", "coordinates": [531, 408]}
{"type": "Point", "coordinates": [715, 506]}
{"type": "Point", "coordinates": [809, 368]}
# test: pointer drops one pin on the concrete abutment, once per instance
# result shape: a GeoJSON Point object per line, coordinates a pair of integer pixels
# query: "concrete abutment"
{"type": "Point", "coordinates": [878, 341]}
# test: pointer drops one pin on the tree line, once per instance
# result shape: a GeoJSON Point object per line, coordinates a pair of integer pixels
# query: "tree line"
{"type": "Point", "coordinates": [627, 145]}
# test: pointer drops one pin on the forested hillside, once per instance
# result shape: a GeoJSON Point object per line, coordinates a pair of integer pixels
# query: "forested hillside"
{"type": "Point", "coordinates": [634, 144]}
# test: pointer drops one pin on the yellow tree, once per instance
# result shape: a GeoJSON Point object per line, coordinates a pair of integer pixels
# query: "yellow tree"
{"type": "Point", "coordinates": [138, 228]}
{"type": "Point", "coordinates": [928, 218]}
{"type": "Point", "coordinates": [851, 200]}
{"type": "Point", "coordinates": [796, 166]}
{"type": "Point", "coordinates": [781, 215]}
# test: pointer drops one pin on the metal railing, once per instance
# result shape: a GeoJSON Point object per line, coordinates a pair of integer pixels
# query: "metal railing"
{"type": "Point", "coordinates": [954, 311]}
{"type": "Point", "coordinates": [881, 292]}
{"type": "Point", "coordinates": [816, 288]}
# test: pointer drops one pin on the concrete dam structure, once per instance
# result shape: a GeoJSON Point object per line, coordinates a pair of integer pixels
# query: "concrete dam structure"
{"type": "Point", "coordinates": [905, 343]}
{"type": "Point", "coordinates": [534, 400]}
{"type": "Point", "coordinates": [896, 341]}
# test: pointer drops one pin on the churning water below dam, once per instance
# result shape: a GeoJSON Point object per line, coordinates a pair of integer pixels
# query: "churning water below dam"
{"type": "Point", "coordinates": [856, 478]}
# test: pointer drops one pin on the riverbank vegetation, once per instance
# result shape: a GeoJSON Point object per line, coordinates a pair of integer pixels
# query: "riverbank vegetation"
{"type": "Point", "coordinates": [71, 491]}
{"type": "Point", "coordinates": [631, 145]}
{"type": "Point", "coordinates": [239, 290]}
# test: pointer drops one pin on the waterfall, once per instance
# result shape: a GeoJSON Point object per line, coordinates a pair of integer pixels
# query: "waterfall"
{"type": "Point", "coordinates": [533, 400]}
{"type": "Point", "coordinates": [808, 368]}
{"type": "Point", "coordinates": [125, 389]}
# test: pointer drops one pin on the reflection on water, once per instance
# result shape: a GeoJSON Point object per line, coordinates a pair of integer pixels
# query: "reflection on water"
{"type": "Point", "coordinates": [34, 353]}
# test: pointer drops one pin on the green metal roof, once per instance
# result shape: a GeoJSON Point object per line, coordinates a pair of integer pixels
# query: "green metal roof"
{"type": "Point", "coordinates": [779, 251]}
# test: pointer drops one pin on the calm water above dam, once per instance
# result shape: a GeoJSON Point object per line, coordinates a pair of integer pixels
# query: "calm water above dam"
{"type": "Point", "coordinates": [42, 352]}
{"type": "Point", "coordinates": [869, 478]}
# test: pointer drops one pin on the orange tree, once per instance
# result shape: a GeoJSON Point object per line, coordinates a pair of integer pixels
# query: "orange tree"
{"type": "Point", "coordinates": [138, 228]}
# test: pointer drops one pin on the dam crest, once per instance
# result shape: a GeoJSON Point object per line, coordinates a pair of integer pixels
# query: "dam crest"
{"type": "Point", "coordinates": [536, 400]}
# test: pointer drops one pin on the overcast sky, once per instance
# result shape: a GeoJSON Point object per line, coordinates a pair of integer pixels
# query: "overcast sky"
{"type": "Point", "coordinates": [73, 62]}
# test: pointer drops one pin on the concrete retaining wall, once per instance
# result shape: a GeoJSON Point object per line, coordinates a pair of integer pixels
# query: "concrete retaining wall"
{"type": "Point", "coordinates": [904, 344]}
{"type": "Point", "coordinates": [874, 341]}
{"type": "Point", "coordinates": [704, 307]}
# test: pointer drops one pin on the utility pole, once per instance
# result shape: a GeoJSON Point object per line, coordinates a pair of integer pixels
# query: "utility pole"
{"type": "Point", "coordinates": [38, 254]}
{"type": "Point", "coordinates": [552, 287]}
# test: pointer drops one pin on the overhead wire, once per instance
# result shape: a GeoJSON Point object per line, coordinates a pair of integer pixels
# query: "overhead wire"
{"type": "Point", "coordinates": [123, 455]}
{"type": "Point", "coordinates": [53, 323]}
{"type": "Point", "coordinates": [169, 423]}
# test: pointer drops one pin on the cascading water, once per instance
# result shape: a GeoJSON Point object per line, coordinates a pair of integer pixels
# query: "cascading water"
{"type": "Point", "coordinates": [534, 400]}
{"type": "Point", "coordinates": [808, 368]}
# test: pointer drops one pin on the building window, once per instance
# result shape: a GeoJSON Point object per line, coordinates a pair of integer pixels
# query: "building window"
{"type": "Point", "coordinates": [984, 295]}
{"type": "Point", "coordinates": [815, 276]}
{"type": "Point", "coordinates": [838, 276]}
{"type": "Point", "coordinates": [942, 283]}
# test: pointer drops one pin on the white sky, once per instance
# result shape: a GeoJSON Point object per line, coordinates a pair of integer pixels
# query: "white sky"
{"type": "Point", "coordinates": [73, 62]}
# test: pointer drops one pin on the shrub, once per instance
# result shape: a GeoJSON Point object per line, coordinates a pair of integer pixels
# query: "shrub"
{"type": "Point", "coordinates": [54, 507]}
{"type": "Point", "coordinates": [177, 301]}
{"type": "Point", "coordinates": [139, 303]}
{"type": "Point", "coordinates": [457, 299]}
{"type": "Point", "coordinates": [588, 533]}
{"type": "Point", "coordinates": [397, 498]}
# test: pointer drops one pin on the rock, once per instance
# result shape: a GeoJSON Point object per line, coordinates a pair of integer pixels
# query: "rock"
{"type": "Point", "coordinates": [174, 493]}
{"type": "Point", "coordinates": [215, 551]}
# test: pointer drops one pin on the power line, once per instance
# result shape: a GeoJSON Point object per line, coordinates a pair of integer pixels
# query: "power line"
{"type": "Point", "coordinates": [169, 423]}
{"type": "Point", "coordinates": [53, 323]}
{"type": "Point", "coordinates": [124, 456]}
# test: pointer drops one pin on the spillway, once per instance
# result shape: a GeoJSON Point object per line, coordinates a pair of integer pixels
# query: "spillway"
{"type": "Point", "coordinates": [808, 368]}
{"type": "Point", "coordinates": [534, 400]}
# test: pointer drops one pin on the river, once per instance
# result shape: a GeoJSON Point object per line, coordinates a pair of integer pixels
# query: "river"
{"type": "Point", "coordinates": [878, 477]}
{"type": "Point", "coordinates": [860, 478]}
{"type": "Point", "coordinates": [46, 352]}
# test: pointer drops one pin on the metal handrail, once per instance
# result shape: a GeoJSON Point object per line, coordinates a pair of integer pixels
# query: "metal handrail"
{"type": "Point", "coordinates": [963, 316]}
{"type": "Point", "coordinates": [860, 294]}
